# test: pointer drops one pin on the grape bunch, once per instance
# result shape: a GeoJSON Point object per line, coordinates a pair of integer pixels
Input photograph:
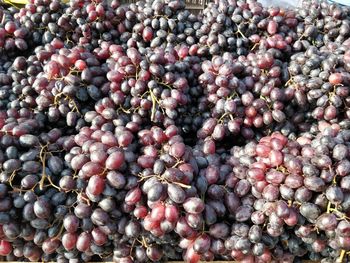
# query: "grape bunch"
{"type": "Point", "coordinates": [14, 37]}
{"type": "Point", "coordinates": [243, 95]}
{"type": "Point", "coordinates": [158, 24]}
{"type": "Point", "coordinates": [321, 85]}
{"type": "Point", "coordinates": [324, 24]}
{"type": "Point", "coordinates": [299, 185]}
{"type": "Point", "coordinates": [242, 26]}
{"type": "Point", "coordinates": [154, 85]}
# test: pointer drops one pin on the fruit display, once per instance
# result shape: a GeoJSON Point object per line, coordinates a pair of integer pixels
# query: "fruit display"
{"type": "Point", "coordinates": [148, 133]}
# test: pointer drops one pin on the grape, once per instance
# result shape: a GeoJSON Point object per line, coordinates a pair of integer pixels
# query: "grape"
{"type": "Point", "coordinates": [133, 196]}
{"type": "Point", "coordinates": [171, 213]}
{"type": "Point", "coordinates": [115, 160]}
{"type": "Point", "coordinates": [342, 228]}
{"type": "Point", "coordinates": [177, 150]}
{"type": "Point", "coordinates": [69, 241]}
{"type": "Point", "coordinates": [83, 241]}
{"type": "Point", "coordinates": [158, 212]}
{"type": "Point", "coordinates": [154, 253]}
{"type": "Point", "coordinates": [310, 211]}
{"type": "Point", "coordinates": [42, 208]}
{"type": "Point", "coordinates": [39, 223]}
{"type": "Point", "coordinates": [282, 209]}
{"type": "Point", "coordinates": [6, 248]}
{"type": "Point", "coordinates": [99, 217]}
{"type": "Point", "coordinates": [212, 174]}
{"type": "Point", "coordinates": [219, 230]}
{"type": "Point", "coordinates": [11, 230]}
{"type": "Point", "coordinates": [176, 193]}
{"type": "Point", "coordinates": [98, 237]}
{"type": "Point", "coordinates": [50, 245]}
{"type": "Point", "coordinates": [193, 205]}
{"type": "Point", "coordinates": [243, 213]}
{"type": "Point", "coordinates": [327, 222]}
{"type": "Point", "coordinates": [302, 195]}
{"type": "Point", "coordinates": [343, 242]}
{"type": "Point", "coordinates": [148, 132]}
{"type": "Point", "coordinates": [314, 183]}
{"type": "Point", "coordinates": [183, 229]}
{"type": "Point", "coordinates": [335, 78]}
{"type": "Point", "coordinates": [96, 185]}
{"type": "Point", "coordinates": [334, 194]}
{"type": "Point", "coordinates": [71, 223]}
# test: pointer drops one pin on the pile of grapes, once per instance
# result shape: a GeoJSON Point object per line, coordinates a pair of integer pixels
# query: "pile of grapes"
{"type": "Point", "coordinates": [147, 133]}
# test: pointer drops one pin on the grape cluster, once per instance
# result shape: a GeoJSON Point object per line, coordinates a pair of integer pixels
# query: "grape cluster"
{"type": "Point", "coordinates": [239, 26]}
{"type": "Point", "coordinates": [147, 133]}
{"type": "Point", "coordinates": [159, 24]}
{"type": "Point", "coordinates": [321, 82]}
{"type": "Point", "coordinates": [153, 84]}
{"type": "Point", "coordinates": [14, 37]}
{"type": "Point", "coordinates": [243, 94]}
{"type": "Point", "coordinates": [324, 24]}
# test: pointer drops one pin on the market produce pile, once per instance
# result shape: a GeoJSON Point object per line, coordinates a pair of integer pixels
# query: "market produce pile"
{"type": "Point", "coordinates": [146, 133]}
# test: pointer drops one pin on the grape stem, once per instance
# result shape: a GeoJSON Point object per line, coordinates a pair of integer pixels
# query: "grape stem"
{"type": "Point", "coordinates": [334, 181]}
{"type": "Point", "coordinates": [79, 194]}
{"type": "Point", "coordinates": [143, 177]}
{"type": "Point", "coordinates": [329, 207]}
{"type": "Point", "coordinates": [177, 163]}
{"type": "Point", "coordinates": [12, 176]}
{"type": "Point", "coordinates": [154, 102]}
{"type": "Point", "coordinates": [233, 95]}
{"type": "Point", "coordinates": [240, 32]}
{"type": "Point", "coordinates": [165, 84]}
{"type": "Point", "coordinates": [132, 247]}
{"type": "Point", "coordinates": [301, 37]}
{"type": "Point", "coordinates": [67, 98]}
{"type": "Point", "coordinates": [254, 46]}
{"type": "Point", "coordinates": [282, 169]}
{"type": "Point", "coordinates": [42, 156]}
{"type": "Point", "coordinates": [223, 116]}
{"type": "Point", "coordinates": [107, 255]}
{"type": "Point", "coordinates": [342, 254]}
{"type": "Point", "coordinates": [290, 81]}
{"type": "Point", "coordinates": [59, 233]}
{"type": "Point", "coordinates": [11, 4]}
{"type": "Point", "coordinates": [163, 180]}
{"type": "Point", "coordinates": [143, 242]}
{"type": "Point", "coordinates": [268, 104]}
{"type": "Point", "coordinates": [182, 185]}
{"type": "Point", "coordinates": [166, 17]}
